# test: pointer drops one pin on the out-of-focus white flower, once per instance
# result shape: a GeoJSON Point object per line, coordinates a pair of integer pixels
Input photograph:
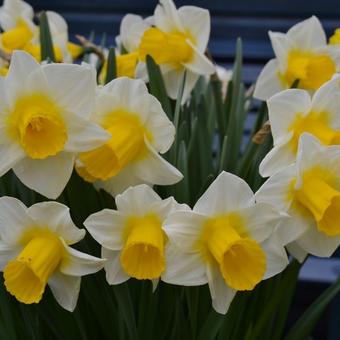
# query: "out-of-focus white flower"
{"type": "Point", "coordinates": [227, 241]}
{"type": "Point", "coordinates": [301, 54]}
{"type": "Point", "coordinates": [309, 192]}
{"type": "Point", "coordinates": [44, 115]}
{"type": "Point", "coordinates": [132, 236]}
{"type": "Point", "coordinates": [224, 75]}
{"type": "Point", "coordinates": [35, 251]}
{"type": "Point", "coordinates": [177, 43]}
{"type": "Point", "coordinates": [291, 113]}
{"type": "Point", "coordinates": [139, 130]}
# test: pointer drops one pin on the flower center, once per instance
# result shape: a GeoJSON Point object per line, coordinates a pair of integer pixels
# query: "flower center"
{"type": "Point", "coordinates": [143, 254]}
{"type": "Point", "coordinates": [17, 37]}
{"type": "Point", "coordinates": [35, 51]}
{"type": "Point", "coordinates": [319, 194]}
{"type": "Point", "coordinates": [311, 69]}
{"type": "Point", "coordinates": [316, 123]}
{"type": "Point", "coordinates": [27, 275]}
{"type": "Point", "coordinates": [125, 146]}
{"type": "Point", "coordinates": [241, 260]}
{"type": "Point", "coordinates": [37, 125]}
{"type": "Point", "coordinates": [165, 47]}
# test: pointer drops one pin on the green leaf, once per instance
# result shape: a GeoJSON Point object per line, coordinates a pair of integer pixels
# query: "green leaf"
{"type": "Point", "coordinates": [111, 71]}
{"type": "Point", "coordinates": [157, 87]}
{"type": "Point", "coordinates": [46, 43]}
{"type": "Point", "coordinates": [211, 326]}
{"type": "Point", "coordinates": [308, 320]}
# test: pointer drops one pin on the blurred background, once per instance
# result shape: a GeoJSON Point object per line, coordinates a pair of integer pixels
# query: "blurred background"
{"type": "Point", "coordinates": [250, 20]}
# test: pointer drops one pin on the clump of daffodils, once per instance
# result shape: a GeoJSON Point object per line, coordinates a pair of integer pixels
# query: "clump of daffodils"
{"type": "Point", "coordinates": [145, 153]}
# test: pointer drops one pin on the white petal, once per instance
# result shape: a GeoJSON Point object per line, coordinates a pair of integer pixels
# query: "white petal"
{"type": "Point", "coordinates": [56, 217]}
{"type": "Point", "coordinates": [197, 22]}
{"type": "Point", "coordinates": [282, 45]}
{"type": "Point", "coordinates": [268, 83]}
{"type": "Point", "coordinates": [275, 190]}
{"type": "Point", "coordinates": [65, 289]}
{"type": "Point", "coordinates": [7, 253]}
{"type": "Point", "coordinates": [155, 169]}
{"type": "Point", "coordinates": [283, 109]}
{"type": "Point", "coordinates": [296, 251]}
{"type": "Point", "coordinates": [76, 263]}
{"type": "Point", "coordinates": [106, 227]}
{"type": "Point", "coordinates": [221, 294]}
{"type": "Point", "coordinates": [47, 176]}
{"type": "Point", "coordinates": [83, 135]}
{"type": "Point", "coordinates": [184, 268]}
{"type": "Point", "coordinates": [184, 228]}
{"type": "Point", "coordinates": [113, 269]}
{"type": "Point", "coordinates": [276, 256]}
{"type": "Point", "coordinates": [261, 220]}
{"type": "Point", "coordinates": [166, 17]}
{"type": "Point", "coordinates": [278, 158]}
{"type": "Point", "coordinates": [317, 243]}
{"type": "Point", "coordinates": [10, 153]}
{"type": "Point", "coordinates": [164, 207]}
{"type": "Point", "coordinates": [226, 194]}
{"type": "Point", "coordinates": [308, 34]}
{"type": "Point", "coordinates": [137, 200]}
{"type": "Point", "coordinates": [73, 87]}
{"type": "Point", "coordinates": [200, 64]}
{"type": "Point", "coordinates": [14, 220]}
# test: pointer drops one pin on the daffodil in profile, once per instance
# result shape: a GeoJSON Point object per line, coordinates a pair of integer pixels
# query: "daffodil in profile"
{"type": "Point", "coordinates": [309, 192]}
{"type": "Point", "coordinates": [227, 241]}
{"type": "Point", "coordinates": [44, 114]}
{"type": "Point", "coordinates": [293, 112]}
{"type": "Point", "coordinates": [139, 131]}
{"type": "Point", "coordinates": [35, 252]}
{"type": "Point", "coordinates": [16, 21]}
{"type": "Point", "coordinates": [132, 237]}
{"type": "Point", "coordinates": [302, 55]}
{"type": "Point", "coordinates": [177, 42]}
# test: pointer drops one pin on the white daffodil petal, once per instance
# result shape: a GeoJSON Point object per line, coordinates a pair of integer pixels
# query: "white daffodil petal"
{"type": "Point", "coordinates": [227, 193]}
{"type": "Point", "coordinates": [106, 227]}
{"type": "Point", "coordinates": [281, 46]}
{"type": "Point", "coordinates": [113, 269]}
{"type": "Point", "coordinates": [276, 189]}
{"type": "Point", "coordinates": [184, 268]}
{"type": "Point", "coordinates": [10, 154]}
{"type": "Point", "coordinates": [276, 256]}
{"type": "Point", "coordinates": [7, 253]}
{"type": "Point", "coordinates": [155, 169]}
{"type": "Point", "coordinates": [13, 220]}
{"type": "Point", "coordinates": [283, 109]}
{"type": "Point", "coordinates": [221, 294]}
{"type": "Point", "coordinates": [260, 220]}
{"type": "Point", "coordinates": [65, 289]}
{"type": "Point", "coordinates": [317, 243]}
{"type": "Point", "coordinates": [47, 176]}
{"type": "Point", "coordinates": [164, 207]}
{"type": "Point", "coordinates": [308, 34]}
{"type": "Point", "coordinates": [136, 200]}
{"type": "Point", "coordinates": [278, 158]}
{"type": "Point", "coordinates": [166, 17]}
{"type": "Point", "coordinates": [72, 86]}
{"type": "Point", "coordinates": [76, 263]}
{"type": "Point", "coordinates": [296, 251]}
{"type": "Point", "coordinates": [83, 135]}
{"type": "Point", "coordinates": [56, 216]}
{"type": "Point", "coordinates": [268, 83]}
{"type": "Point", "coordinates": [197, 21]}
{"type": "Point", "coordinates": [183, 229]}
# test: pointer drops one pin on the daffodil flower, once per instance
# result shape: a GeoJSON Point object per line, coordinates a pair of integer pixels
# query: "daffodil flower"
{"type": "Point", "coordinates": [16, 20]}
{"type": "Point", "coordinates": [335, 38]}
{"type": "Point", "coordinates": [227, 241]}
{"type": "Point", "coordinates": [309, 192]}
{"type": "Point", "coordinates": [35, 252]}
{"type": "Point", "coordinates": [132, 237]}
{"type": "Point", "coordinates": [302, 55]}
{"type": "Point", "coordinates": [44, 114]}
{"type": "Point", "coordinates": [177, 43]}
{"type": "Point", "coordinates": [139, 130]}
{"type": "Point", "coordinates": [293, 112]}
